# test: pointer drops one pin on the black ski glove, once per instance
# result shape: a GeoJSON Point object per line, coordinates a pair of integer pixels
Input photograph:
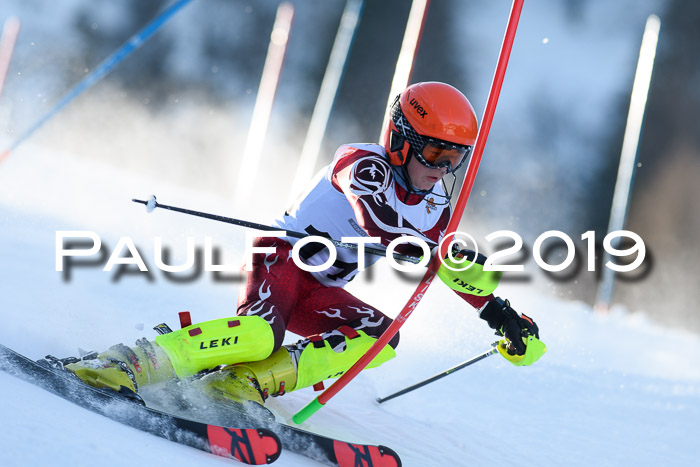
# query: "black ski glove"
{"type": "Point", "coordinates": [509, 323]}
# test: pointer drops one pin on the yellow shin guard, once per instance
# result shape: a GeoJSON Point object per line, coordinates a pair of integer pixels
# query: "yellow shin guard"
{"type": "Point", "coordinates": [181, 353]}
{"type": "Point", "coordinates": [218, 342]}
{"type": "Point", "coordinates": [318, 361]}
{"type": "Point", "coordinates": [279, 373]}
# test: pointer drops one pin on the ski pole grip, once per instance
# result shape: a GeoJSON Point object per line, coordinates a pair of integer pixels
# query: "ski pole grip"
{"type": "Point", "coordinates": [304, 414]}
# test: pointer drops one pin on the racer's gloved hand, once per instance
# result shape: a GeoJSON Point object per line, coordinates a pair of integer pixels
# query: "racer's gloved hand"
{"type": "Point", "coordinates": [509, 323]}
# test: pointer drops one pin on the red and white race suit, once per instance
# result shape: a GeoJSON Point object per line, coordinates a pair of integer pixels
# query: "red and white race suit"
{"type": "Point", "coordinates": [357, 195]}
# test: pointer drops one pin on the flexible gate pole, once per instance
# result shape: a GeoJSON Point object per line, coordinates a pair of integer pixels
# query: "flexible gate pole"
{"type": "Point", "coordinates": [7, 45]}
{"type": "Point", "coordinates": [460, 205]}
{"type": "Point", "coordinates": [262, 111]}
{"type": "Point", "coordinates": [628, 156]}
{"type": "Point", "coordinates": [102, 69]}
{"type": "Point", "coordinates": [326, 95]}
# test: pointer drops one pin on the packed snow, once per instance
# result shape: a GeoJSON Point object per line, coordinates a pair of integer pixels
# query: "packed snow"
{"type": "Point", "coordinates": [614, 389]}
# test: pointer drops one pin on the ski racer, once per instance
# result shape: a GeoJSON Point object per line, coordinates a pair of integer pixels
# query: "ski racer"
{"type": "Point", "coordinates": [383, 191]}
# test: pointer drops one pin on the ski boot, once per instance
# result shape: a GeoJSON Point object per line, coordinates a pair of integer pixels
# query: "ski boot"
{"type": "Point", "coordinates": [64, 364]}
{"type": "Point", "coordinates": [122, 368]}
{"type": "Point", "coordinates": [306, 363]}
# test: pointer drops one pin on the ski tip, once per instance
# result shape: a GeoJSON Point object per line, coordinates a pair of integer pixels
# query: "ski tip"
{"type": "Point", "coordinates": [388, 452]}
{"type": "Point", "coordinates": [265, 433]}
{"type": "Point", "coordinates": [350, 455]}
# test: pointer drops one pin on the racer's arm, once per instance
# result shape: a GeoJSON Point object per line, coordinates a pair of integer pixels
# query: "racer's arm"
{"type": "Point", "coordinates": [476, 287]}
{"type": "Point", "coordinates": [463, 272]}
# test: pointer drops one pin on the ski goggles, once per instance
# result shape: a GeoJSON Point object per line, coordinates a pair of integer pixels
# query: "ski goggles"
{"type": "Point", "coordinates": [437, 154]}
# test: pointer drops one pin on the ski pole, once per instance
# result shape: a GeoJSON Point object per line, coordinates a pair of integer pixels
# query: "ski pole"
{"type": "Point", "coordinates": [501, 66]}
{"type": "Point", "coordinates": [479, 357]}
{"type": "Point", "coordinates": [152, 203]}
{"type": "Point", "coordinates": [102, 69]}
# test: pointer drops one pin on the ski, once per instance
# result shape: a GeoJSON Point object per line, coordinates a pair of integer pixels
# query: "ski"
{"type": "Point", "coordinates": [258, 439]}
{"type": "Point", "coordinates": [334, 451]}
{"type": "Point", "coordinates": [323, 449]}
{"type": "Point", "coordinates": [249, 444]}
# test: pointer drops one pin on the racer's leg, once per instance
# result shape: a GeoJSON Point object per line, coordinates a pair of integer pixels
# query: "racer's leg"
{"type": "Point", "coordinates": [340, 329]}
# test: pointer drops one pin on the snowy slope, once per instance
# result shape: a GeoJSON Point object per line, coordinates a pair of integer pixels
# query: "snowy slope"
{"type": "Point", "coordinates": [612, 390]}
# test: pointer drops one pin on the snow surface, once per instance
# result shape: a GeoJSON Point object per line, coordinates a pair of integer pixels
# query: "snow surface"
{"type": "Point", "coordinates": [612, 390]}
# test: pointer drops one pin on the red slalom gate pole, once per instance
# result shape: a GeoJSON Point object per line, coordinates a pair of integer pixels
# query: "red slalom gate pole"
{"type": "Point", "coordinates": [315, 405]}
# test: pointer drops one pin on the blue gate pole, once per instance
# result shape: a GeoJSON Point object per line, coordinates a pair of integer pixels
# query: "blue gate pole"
{"type": "Point", "coordinates": [101, 70]}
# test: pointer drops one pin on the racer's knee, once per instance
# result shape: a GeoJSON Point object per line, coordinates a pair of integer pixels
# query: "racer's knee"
{"type": "Point", "coordinates": [271, 315]}
{"type": "Point", "coordinates": [223, 341]}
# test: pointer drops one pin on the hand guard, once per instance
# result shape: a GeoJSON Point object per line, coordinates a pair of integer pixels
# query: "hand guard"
{"type": "Point", "coordinates": [520, 331]}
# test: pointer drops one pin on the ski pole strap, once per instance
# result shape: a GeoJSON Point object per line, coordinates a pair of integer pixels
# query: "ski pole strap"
{"type": "Point", "coordinates": [438, 376]}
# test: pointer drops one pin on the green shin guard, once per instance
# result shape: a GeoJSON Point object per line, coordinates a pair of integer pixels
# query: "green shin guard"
{"type": "Point", "coordinates": [225, 341]}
